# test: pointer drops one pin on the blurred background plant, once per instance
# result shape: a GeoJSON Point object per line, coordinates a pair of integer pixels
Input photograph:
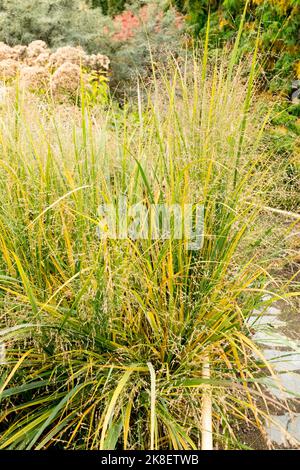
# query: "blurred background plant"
{"type": "Point", "coordinates": [277, 20]}
{"type": "Point", "coordinates": [125, 30]}
{"type": "Point", "coordinates": [126, 40]}
{"type": "Point", "coordinates": [59, 73]}
{"type": "Point", "coordinates": [182, 111]}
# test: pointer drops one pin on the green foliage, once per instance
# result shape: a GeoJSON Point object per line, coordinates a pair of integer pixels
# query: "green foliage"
{"type": "Point", "coordinates": [60, 22]}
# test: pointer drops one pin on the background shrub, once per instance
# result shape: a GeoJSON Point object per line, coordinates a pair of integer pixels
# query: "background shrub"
{"type": "Point", "coordinates": [109, 7]}
{"type": "Point", "coordinates": [57, 22]}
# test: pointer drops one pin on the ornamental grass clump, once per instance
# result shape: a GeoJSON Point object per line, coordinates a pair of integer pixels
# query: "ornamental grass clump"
{"type": "Point", "coordinates": [133, 343]}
